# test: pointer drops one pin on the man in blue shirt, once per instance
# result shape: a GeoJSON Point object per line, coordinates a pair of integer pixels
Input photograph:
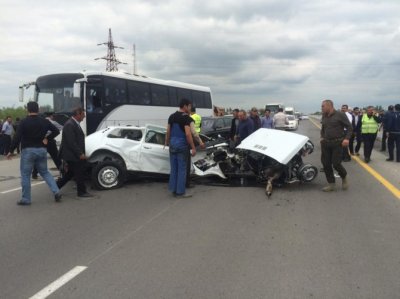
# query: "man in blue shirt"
{"type": "Point", "coordinates": [267, 121]}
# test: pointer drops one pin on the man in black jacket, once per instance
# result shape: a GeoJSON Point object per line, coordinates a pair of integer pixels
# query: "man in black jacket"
{"type": "Point", "coordinates": [72, 151]}
{"type": "Point", "coordinates": [393, 132]}
{"type": "Point", "coordinates": [32, 136]}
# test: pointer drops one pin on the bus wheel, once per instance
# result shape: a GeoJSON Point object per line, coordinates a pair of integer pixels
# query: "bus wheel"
{"type": "Point", "coordinates": [108, 175]}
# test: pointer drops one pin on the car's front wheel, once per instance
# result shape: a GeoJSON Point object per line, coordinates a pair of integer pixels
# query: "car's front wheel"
{"type": "Point", "coordinates": [108, 175]}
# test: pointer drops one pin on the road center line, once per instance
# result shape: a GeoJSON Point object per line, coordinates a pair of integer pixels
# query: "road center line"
{"type": "Point", "coordinates": [373, 172]}
{"type": "Point", "coordinates": [19, 188]}
{"type": "Point", "coordinates": [55, 285]}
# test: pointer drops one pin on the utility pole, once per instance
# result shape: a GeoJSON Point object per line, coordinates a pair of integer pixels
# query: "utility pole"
{"type": "Point", "coordinates": [112, 61]}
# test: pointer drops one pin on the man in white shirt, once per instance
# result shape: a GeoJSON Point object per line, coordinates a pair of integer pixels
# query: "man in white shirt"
{"type": "Point", "coordinates": [280, 120]}
{"type": "Point", "coordinates": [346, 155]}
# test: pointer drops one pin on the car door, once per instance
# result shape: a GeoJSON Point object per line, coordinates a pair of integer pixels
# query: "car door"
{"type": "Point", "coordinates": [154, 154]}
{"type": "Point", "coordinates": [127, 143]}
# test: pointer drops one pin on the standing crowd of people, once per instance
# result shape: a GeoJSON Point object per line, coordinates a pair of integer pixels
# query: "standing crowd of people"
{"type": "Point", "coordinates": [243, 125]}
{"type": "Point", "coordinates": [341, 129]}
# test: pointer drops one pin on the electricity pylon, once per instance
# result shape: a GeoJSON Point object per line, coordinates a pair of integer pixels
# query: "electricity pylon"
{"type": "Point", "coordinates": [112, 61]}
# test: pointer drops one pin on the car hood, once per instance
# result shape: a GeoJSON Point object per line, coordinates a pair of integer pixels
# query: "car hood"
{"type": "Point", "coordinates": [277, 144]}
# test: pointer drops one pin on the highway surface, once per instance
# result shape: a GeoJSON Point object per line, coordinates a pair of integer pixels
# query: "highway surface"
{"type": "Point", "coordinates": [225, 242]}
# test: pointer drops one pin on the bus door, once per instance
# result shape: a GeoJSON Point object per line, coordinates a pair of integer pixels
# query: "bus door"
{"type": "Point", "coordinates": [94, 106]}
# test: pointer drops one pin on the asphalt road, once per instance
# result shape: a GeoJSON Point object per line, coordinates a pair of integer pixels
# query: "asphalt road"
{"type": "Point", "coordinates": [140, 242]}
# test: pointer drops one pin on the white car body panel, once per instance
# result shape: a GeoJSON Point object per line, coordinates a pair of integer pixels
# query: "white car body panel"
{"type": "Point", "coordinates": [138, 155]}
{"type": "Point", "coordinates": [264, 141]}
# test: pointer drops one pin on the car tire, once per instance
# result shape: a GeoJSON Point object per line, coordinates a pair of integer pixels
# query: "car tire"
{"type": "Point", "coordinates": [307, 173]}
{"type": "Point", "coordinates": [108, 175]}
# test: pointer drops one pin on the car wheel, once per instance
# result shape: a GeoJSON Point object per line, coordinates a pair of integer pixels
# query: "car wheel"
{"type": "Point", "coordinates": [307, 173]}
{"type": "Point", "coordinates": [108, 175]}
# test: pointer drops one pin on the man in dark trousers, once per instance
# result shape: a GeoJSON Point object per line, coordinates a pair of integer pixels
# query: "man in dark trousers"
{"type": "Point", "coordinates": [72, 151]}
{"type": "Point", "coordinates": [333, 140]}
{"type": "Point", "coordinates": [51, 145]}
{"type": "Point", "coordinates": [385, 125]}
{"type": "Point", "coordinates": [393, 128]}
{"type": "Point", "coordinates": [356, 125]}
{"type": "Point", "coordinates": [32, 136]}
{"type": "Point", "coordinates": [179, 139]}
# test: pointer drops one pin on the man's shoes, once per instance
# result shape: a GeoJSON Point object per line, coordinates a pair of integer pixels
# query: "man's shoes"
{"type": "Point", "coordinates": [367, 160]}
{"type": "Point", "coordinates": [184, 195]}
{"type": "Point", "coordinates": [57, 197]}
{"type": "Point", "coordinates": [357, 154]}
{"type": "Point", "coordinates": [389, 159]}
{"type": "Point", "coordinates": [34, 176]}
{"type": "Point", "coordinates": [85, 195]}
{"type": "Point", "coordinates": [345, 183]}
{"type": "Point", "coordinates": [329, 188]}
{"type": "Point", "coordinates": [23, 203]}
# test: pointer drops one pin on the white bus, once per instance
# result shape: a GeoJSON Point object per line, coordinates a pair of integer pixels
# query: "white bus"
{"type": "Point", "coordinates": [273, 107]}
{"type": "Point", "coordinates": [112, 98]}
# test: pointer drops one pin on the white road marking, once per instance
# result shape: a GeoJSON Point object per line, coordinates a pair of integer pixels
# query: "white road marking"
{"type": "Point", "coordinates": [51, 288]}
{"type": "Point", "coordinates": [19, 188]}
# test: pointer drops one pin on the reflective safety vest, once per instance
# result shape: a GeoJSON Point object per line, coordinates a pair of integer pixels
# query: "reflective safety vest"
{"type": "Point", "coordinates": [197, 122]}
{"type": "Point", "coordinates": [368, 125]}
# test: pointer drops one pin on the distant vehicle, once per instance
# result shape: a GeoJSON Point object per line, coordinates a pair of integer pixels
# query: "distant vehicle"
{"type": "Point", "coordinates": [293, 123]}
{"type": "Point", "coordinates": [215, 127]}
{"type": "Point", "coordinates": [304, 117]}
{"type": "Point", "coordinates": [113, 98]}
{"type": "Point", "coordinates": [274, 107]}
{"type": "Point", "coordinates": [289, 111]}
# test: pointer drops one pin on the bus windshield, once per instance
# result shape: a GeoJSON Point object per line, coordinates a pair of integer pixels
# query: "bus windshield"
{"type": "Point", "coordinates": [55, 93]}
{"type": "Point", "coordinates": [273, 107]}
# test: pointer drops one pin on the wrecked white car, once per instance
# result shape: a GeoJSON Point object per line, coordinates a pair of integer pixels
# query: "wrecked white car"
{"type": "Point", "coordinates": [269, 156]}
{"type": "Point", "coordinates": [266, 155]}
{"type": "Point", "coordinates": [115, 152]}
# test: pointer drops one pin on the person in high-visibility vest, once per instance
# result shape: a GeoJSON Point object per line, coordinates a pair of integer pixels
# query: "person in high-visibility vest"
{"type": "Point", "coordinates": [197, 120]}
{"type": "Point", "coordinates": [369, 130]}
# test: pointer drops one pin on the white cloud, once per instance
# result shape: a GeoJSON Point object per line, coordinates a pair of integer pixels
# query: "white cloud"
{"type": "Point", "coordinates": [297, 52]}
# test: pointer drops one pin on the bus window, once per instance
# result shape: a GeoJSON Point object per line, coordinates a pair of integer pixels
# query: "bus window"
{"type": "Point", "coordinates": [173, 97]}
{"type": "Point", "coordinates": [159, 95]}
{"type": "Point", "coordinates": [115, 90]}
{"type": "Point", "coordinates": [198, 99]}
{"type": "Point", "coordinates": [184, 94]}
{"type": "Point", "coordinates": [139, 93]}
{"type": "Point", "coordinates": [207, 100]}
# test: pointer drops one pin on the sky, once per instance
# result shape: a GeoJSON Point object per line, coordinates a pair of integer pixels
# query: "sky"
{"type": "Point", "coordinates": [250, 53]}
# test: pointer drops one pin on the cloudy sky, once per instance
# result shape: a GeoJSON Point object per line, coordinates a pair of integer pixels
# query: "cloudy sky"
{"type": "Point", "coordinates": [251, 52]}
